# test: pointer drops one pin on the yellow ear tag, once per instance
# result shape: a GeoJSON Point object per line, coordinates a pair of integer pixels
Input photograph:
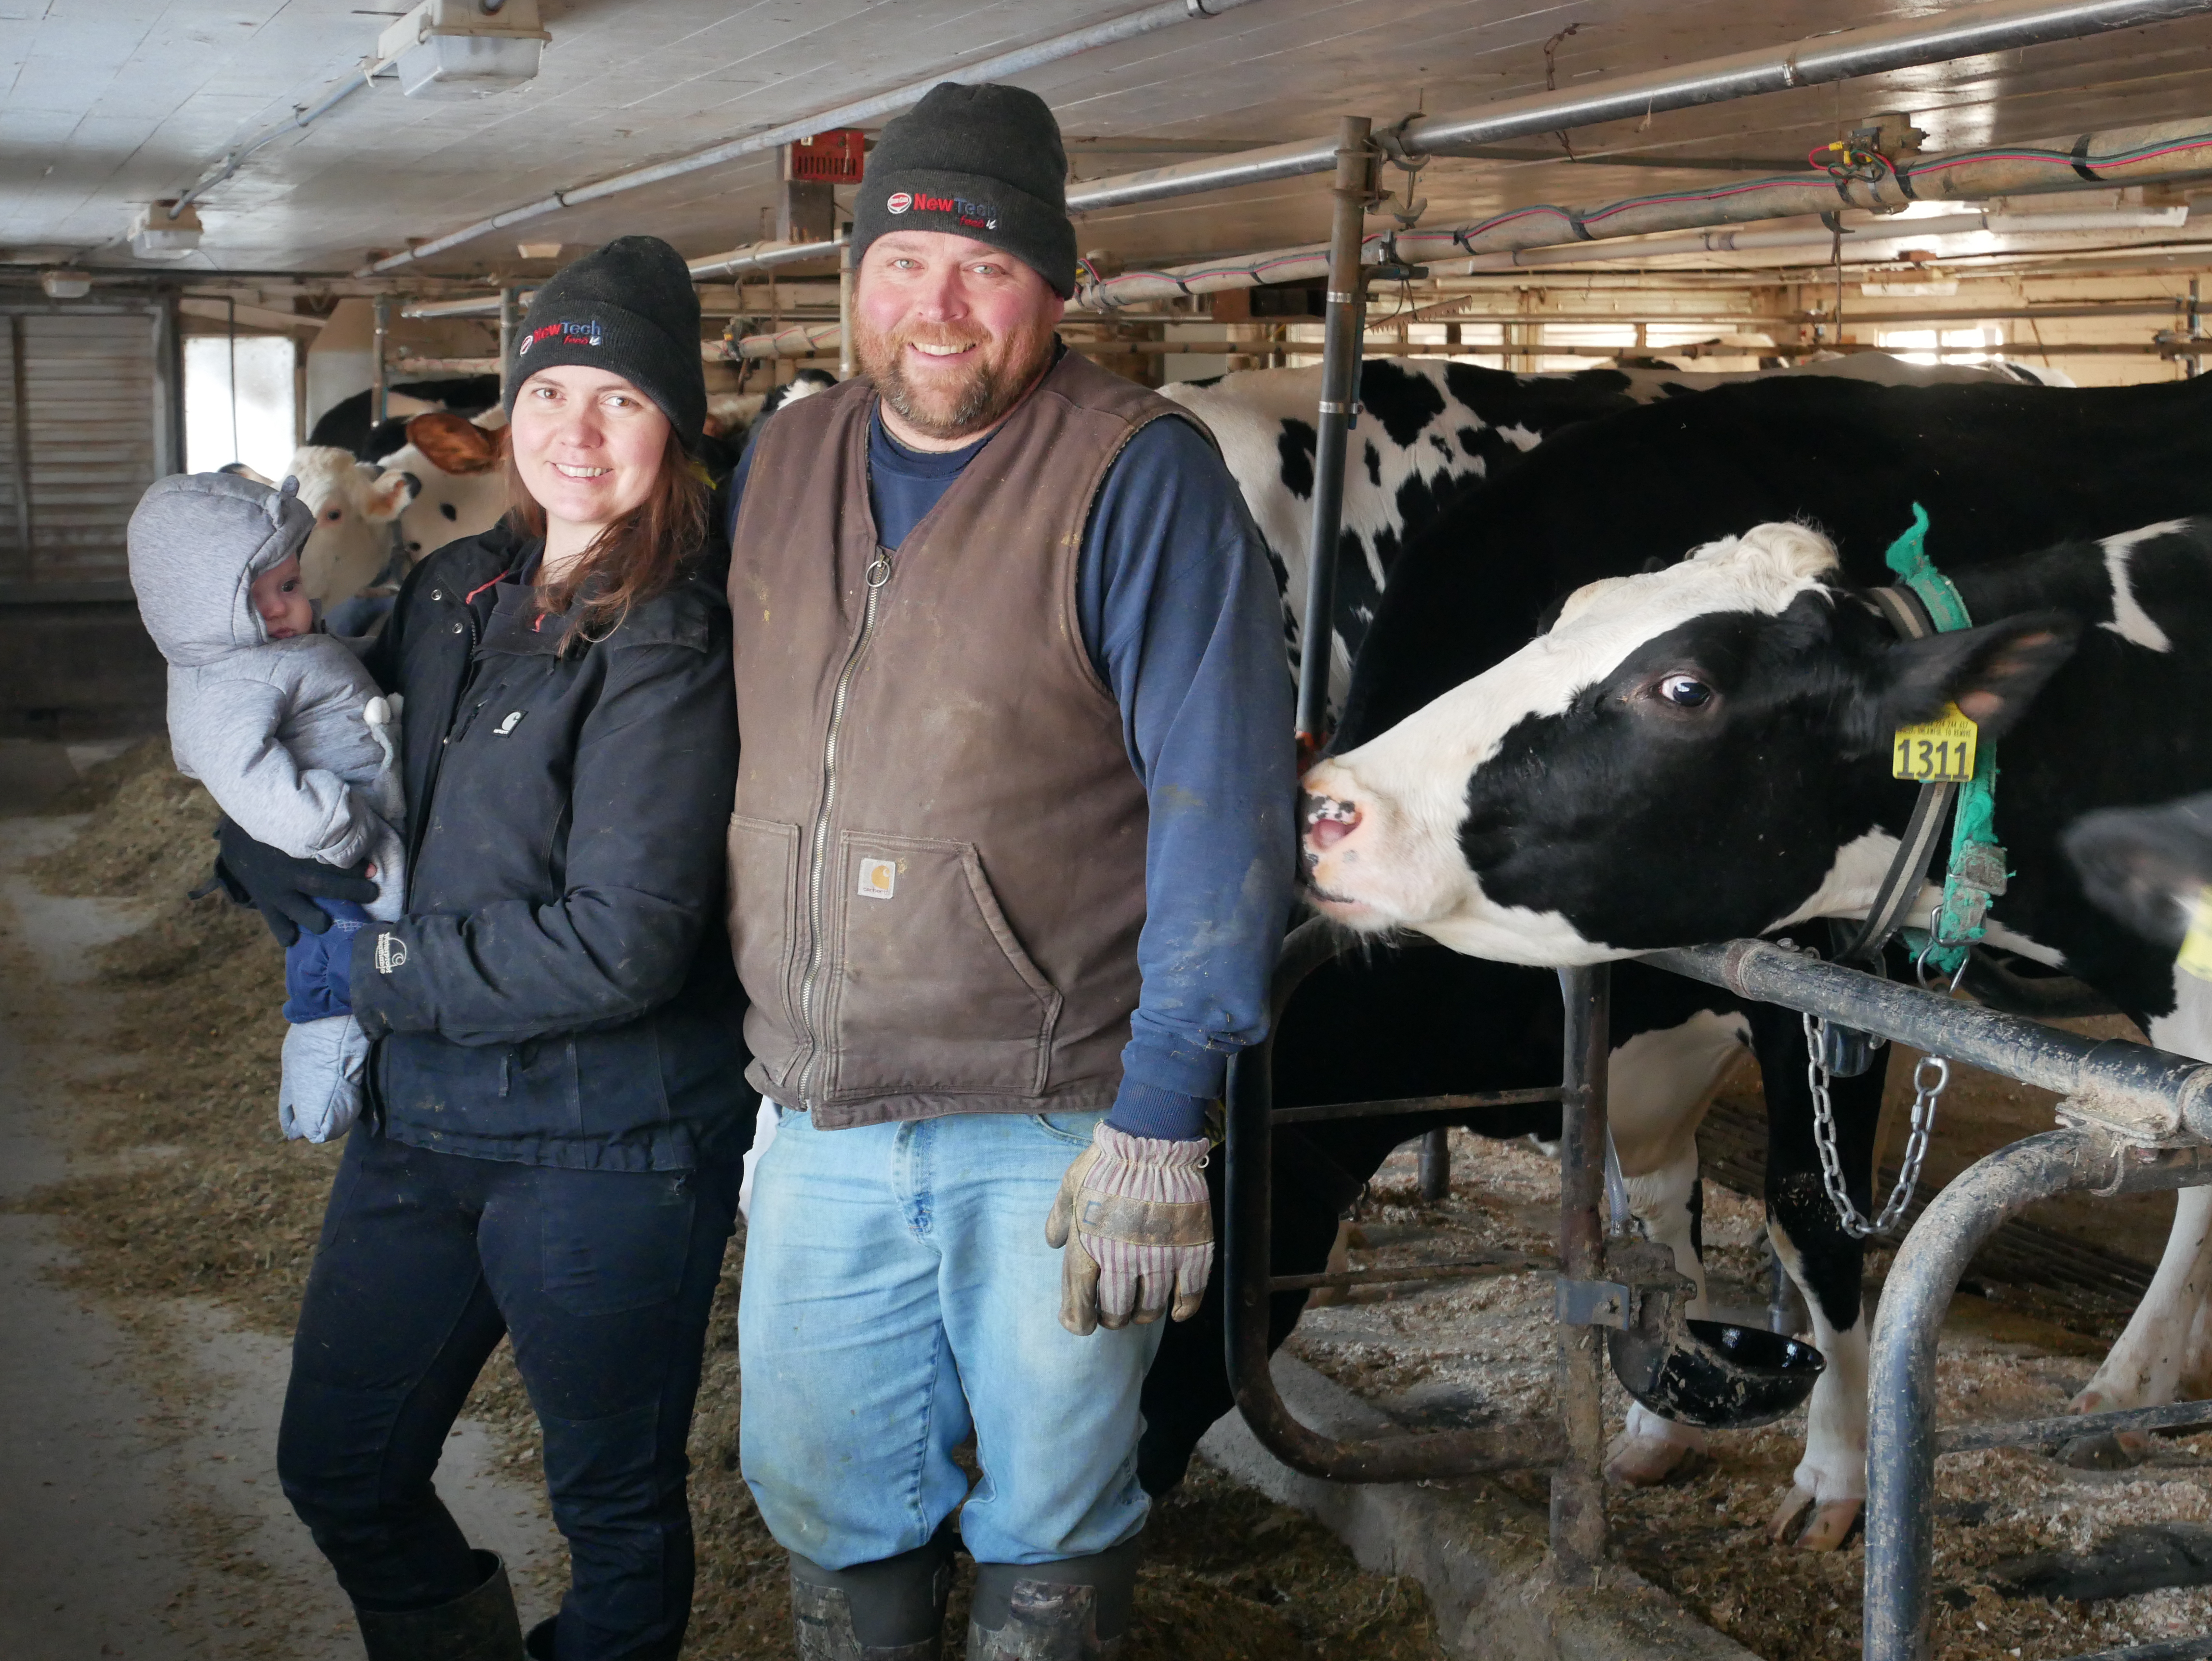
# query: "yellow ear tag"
{"type": "Point", "coordinates": [2196, 956]}
{"type": "Point", "coordinates": [1939, 752]}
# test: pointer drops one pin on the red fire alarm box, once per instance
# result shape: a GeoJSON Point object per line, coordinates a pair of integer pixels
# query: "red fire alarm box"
{"type": "Point", "coordinates": [836, 157]}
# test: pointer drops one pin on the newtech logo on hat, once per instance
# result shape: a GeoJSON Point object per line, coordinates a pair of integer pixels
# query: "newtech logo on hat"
{"type": "Point", "coordinates": [984, 162]}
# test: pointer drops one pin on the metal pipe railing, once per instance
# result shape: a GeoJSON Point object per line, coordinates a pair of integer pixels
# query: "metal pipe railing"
{"type": "Point", "coordinates": [1901, 1439]}
{"type": "Point", "coordinates": [1963, 32]}
{"type": "Point", "coordinates": [1127, 27]}
{"type": "Point", "coordinates": [2130, 1088]}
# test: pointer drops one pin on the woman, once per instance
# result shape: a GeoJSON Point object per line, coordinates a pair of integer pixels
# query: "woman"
{"type": "Point", "coordinates": [559, 1108]}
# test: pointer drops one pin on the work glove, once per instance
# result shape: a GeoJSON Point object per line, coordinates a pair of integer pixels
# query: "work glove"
{"type": "Point", "coordinates": [1135, 1227]}
{"type": "Point", "coordinates": [281, 889]}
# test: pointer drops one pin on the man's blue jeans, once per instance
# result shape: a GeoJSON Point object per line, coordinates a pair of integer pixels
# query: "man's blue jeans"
{"type": "Point", "coordinates": [898, 1293]}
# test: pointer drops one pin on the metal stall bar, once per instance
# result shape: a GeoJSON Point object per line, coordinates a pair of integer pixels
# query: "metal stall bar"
{"type": "Point", "coordinates": [2136, 1091]}
{"type": "Point", "coordinates": [1356, 159]}
{"type": "Point", "coordinates": [1578, 1479]}
{"type": "Point", "coordinates": [1901, 1444]}
{"type": "Point", "coordinates": [2126, 1105]}
{"type": "Point", "coordinates": [1248, 1253]}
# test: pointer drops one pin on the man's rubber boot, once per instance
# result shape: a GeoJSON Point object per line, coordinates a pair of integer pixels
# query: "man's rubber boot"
{"type": "Point", "coordinates": [1076, 1609]}
{"type": "Point", "coordinates": [890, 1611]}
{"type": "Point", "coordinates": [477, 1626]}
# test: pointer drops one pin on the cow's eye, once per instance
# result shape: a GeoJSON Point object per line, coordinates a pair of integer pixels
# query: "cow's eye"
{"type": "Point", "coordinates": [1687, 691]}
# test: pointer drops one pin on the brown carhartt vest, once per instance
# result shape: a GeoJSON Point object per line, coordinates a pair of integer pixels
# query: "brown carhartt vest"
{"type": "Point", "coordinates": [937, 859]}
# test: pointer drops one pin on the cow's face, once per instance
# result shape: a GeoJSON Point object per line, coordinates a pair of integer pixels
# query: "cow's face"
{"type": "Point", "coordinates": [1686, 755]}
{"type": "Point", "coordinates": [354, 505]}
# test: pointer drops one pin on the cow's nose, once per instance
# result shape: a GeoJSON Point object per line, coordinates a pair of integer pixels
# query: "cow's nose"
{"type": "Point", "coordinates": [1328, 821]}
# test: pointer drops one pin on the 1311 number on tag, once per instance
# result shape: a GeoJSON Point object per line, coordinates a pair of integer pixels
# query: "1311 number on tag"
{"type": "Point", "coordinates": [1939, 752]}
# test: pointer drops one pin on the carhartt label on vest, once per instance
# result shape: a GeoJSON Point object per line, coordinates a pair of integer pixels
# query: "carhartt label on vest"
{"type": "Point", "coordinates": [878, 878]}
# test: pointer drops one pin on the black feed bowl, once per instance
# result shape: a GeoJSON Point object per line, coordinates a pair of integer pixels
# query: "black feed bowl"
{"type": "Point", "coordinates": [1726, 1378]}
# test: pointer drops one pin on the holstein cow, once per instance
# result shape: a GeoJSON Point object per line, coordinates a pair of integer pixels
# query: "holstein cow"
{"type": "Point", "coordinates": [457, 484]}
{"type": "Point", "coordinates": [1417, 1023]}
{"type": "Point", "coordinates": [1429, 429]}
{"type": "Point", "coordinates": [350, 424]}
{"type": "Point", "coordinates": [1699, 751]}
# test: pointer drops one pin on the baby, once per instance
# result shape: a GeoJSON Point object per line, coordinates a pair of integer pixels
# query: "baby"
{"type": "Point", "coordinates": [288, 730]}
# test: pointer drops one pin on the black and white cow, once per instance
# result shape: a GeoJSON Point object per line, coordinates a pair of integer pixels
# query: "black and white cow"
{"type": "Point", "coordinates": [1701, 751]}
{"type": "Point", "coordinates": [1429, 429]}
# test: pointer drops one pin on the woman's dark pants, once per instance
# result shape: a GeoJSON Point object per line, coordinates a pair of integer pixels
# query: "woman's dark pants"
{"type": "Point", "coordinates": [603, 1278]}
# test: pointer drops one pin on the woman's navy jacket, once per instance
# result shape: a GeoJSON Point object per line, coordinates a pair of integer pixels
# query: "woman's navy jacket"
{"type": "Point", "coordinates": [560, 990]}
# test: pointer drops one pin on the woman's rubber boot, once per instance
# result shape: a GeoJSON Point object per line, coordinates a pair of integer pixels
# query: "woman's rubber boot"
{"type": "Point", "coordinates": [1076, 1609]}
{"type": "Point", "coordinates": [890, 1611]}
{"type": "Point", "coordinates": [477, 1626]}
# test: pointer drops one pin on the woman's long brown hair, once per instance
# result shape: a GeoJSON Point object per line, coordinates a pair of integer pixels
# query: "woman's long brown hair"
{"type": "Point", "coordinates": [636, 557]}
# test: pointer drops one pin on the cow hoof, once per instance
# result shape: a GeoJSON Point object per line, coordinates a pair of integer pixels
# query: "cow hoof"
{"type": "Point", "coordinates": [1646, 1461]}
{"type": "Point", "coordinates": [1830, 1525]}
{"type": "Point", "coordinates": [1794, 1502]}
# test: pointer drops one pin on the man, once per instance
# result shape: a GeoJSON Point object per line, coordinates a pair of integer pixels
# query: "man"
{"type": "Point", "coordinates": [1011, 853]}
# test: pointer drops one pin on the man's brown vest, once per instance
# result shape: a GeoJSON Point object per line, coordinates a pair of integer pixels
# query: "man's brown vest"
{"type": "Point", "coordinates": [936, 862]}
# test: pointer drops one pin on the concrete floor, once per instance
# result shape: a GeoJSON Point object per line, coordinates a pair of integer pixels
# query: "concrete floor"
{"type": "Point", "coordinates": [139, 1511]}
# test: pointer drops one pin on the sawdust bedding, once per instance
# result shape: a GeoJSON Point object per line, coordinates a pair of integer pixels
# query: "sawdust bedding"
{"type": "Point", "coordinates": [1480, 1352]}
{"type": "Point", "coordinates": [199, 1196]}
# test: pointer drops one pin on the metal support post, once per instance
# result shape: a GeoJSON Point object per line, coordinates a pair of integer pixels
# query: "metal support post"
{"type": "Point", "coordinates": [1345, 325]}
{"type": "Point", "coordinates": [380, 405]}
{"type": "Point", "coordinates": [1249, 1280]}
{"type": "Point", "coordinates": [845, 364]}
{"type": "Point", "coordinates": [1901, 1437]}
{"type": "Point", "coordinates": [1578, 1480]}
{"type": "Point", "coordinates": [510, 319]}
{"type": "Point", "coordinates": [1436, 1165]}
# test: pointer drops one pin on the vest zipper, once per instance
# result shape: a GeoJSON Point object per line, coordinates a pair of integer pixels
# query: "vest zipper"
{"type": "Point", "coordinates": [877, 574]}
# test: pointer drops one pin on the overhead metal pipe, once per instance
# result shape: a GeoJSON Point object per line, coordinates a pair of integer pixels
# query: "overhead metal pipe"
{"type": "Point", "coordinates": [2129, 156]}
{"type": "Point", "coordinates": [1128, 27]}
{"type": "Point", "coordinates": [233, 160]}
{"type": "Point", "coordinates": [2003, 26]}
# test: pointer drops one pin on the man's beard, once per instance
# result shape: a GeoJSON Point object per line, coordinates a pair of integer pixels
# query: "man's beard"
{"type": "Point", "coordinates": [992, 385]}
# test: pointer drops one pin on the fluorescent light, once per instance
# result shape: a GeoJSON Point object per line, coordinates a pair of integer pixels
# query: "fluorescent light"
{"type": "Point", "coordinates": [454, 49]}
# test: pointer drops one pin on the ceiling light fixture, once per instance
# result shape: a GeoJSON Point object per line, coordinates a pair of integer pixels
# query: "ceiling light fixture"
{"type": "Point", "coordinates": [158, 235]}
{"type": "Point", "coordinates": [465, 48]}
{"type": "Point", "coordinates": [65, 284]}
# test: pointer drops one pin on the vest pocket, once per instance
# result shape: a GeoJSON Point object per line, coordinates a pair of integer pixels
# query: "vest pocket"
{"type": "Point", "coordinates": [762, 916]}
{"type": "Point", "coordinates": [932, 993]}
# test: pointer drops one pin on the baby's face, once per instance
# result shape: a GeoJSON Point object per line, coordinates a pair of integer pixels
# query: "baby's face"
{"type": "Point", "coordinates": [281, 603]}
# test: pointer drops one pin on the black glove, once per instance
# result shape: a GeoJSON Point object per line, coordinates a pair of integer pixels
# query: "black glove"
{"type": "Point", "coordinates": [282, 889]}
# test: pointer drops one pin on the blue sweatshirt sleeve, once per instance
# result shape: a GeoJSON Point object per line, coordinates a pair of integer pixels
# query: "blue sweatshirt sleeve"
{"type": "Point", "coordinates": [1180, 613]}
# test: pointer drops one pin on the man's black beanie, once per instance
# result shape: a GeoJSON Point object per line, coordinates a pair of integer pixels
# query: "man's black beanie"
{"type": "Point", "coordinates": [629, 308]}
{"type": "Point", "coordinates": [984, 162]}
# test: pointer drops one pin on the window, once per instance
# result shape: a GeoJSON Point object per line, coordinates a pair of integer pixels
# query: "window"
{"type": "Point", "coordinates": [1981, 345]}
{"type": "Point", "coordinates": [244, 416]}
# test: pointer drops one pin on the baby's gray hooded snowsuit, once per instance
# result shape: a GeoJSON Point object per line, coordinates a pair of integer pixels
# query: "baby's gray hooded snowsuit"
{"type": "Point", "coordinates": [291, 737]}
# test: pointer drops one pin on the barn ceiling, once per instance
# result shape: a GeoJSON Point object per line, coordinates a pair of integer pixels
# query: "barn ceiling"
{"type": "Point", "coordinates": [106, 104]}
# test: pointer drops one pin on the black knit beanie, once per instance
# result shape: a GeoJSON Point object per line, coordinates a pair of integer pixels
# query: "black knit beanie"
{"type": "Point", "coordinates": [984, 162]}
{"type": "Point", "coordinates": [628, 307]}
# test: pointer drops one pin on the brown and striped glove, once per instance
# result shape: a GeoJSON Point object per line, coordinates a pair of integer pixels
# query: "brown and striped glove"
{"type": "Point", "coordinates": [1135, 1228]}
